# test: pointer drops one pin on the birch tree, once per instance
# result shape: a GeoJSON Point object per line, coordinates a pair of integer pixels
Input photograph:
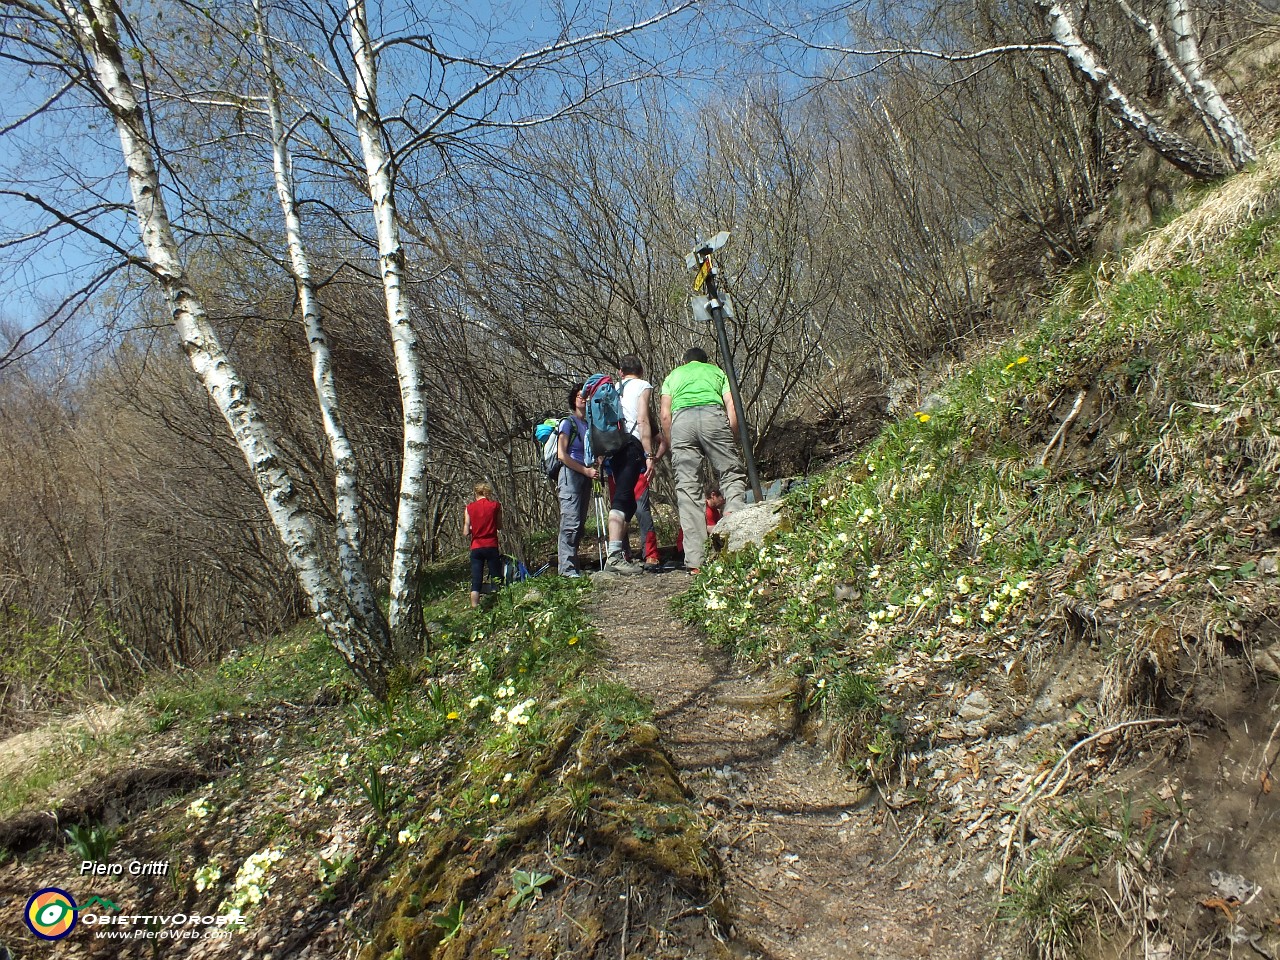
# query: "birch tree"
{"type": "Point", "coordinates": [1174, 49]}
{"type": "Point", "coordinates": [1177, 149]}
{"type": "Point", "coordinates": [347, 501]}
{"type": "Point", "coordinates": [94, 30]}
{"type": "Point", "coordinates": [405, 614]}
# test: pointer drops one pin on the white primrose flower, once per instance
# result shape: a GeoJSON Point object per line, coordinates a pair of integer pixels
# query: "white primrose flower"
{"type": "Point", "coordinates": [198, 809]}
{"type": "Point", "coordinates": [251, 883]}
{"type": "Point", "coordinates": [208, 875]}
{"type": "Point", "coordinates": [518, 715]}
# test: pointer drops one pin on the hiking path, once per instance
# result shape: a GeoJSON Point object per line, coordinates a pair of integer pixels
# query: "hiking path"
{"type": "Point", "coordinates": [817, 865]}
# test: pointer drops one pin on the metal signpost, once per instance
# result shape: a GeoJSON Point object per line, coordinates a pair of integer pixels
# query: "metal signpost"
{"type": "Point", "coordinates": [718, 309]}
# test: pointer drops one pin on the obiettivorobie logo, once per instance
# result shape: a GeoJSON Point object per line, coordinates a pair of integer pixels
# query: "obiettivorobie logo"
{"type": "Point", "coordinates": [52, 913]}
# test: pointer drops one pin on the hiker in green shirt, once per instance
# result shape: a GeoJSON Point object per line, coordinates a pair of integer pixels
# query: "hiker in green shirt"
{"type": "Point", "coordinates": [699, 421]}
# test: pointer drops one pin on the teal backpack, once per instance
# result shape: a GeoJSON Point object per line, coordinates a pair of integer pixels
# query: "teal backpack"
{"type": "Point", "coordinates": [547, 434]}
{"type": "Point", "coordinates": [606, 429]}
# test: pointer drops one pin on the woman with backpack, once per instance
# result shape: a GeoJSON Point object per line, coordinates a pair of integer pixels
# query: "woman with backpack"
{"type": "Point", "coordinates": [481, 521]}
{"type": "Point", "coordinates": [574, 482]}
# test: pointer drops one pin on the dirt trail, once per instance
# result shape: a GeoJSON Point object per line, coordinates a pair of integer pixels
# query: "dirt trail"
{"type": "Point", "coordinates": [818, 867]}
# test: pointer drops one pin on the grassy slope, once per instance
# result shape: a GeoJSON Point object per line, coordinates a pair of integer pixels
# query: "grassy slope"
{"type": "Point", "coordinates": [1078, 538]}
{"type": "Point", "coordinates": [503, 789]}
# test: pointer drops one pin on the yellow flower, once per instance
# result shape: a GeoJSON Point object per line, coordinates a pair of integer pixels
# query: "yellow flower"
{"type": "Point", "coordinates": [1022, 360]}
{"type": "Point", "coordinates": [453, 715]}
{"type": "Point", "coordinates": [573, 640]}
{"type": "Point", "coordinates": [923, 417]}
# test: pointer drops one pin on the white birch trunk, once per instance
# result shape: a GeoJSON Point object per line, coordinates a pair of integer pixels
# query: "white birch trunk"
{"type": "Point", "coordinates": [349, 533]}
{"type": "Point", "coordinates": [96, 30]}
{"type": "Point", "coordinates": [407, 629]}
{"type": "Point", "coordinates": [1178, 150]}
{"type": "Point", "coordinates": [1208, 99]}
{"type": "Point", "coordinates": [1166, 58]}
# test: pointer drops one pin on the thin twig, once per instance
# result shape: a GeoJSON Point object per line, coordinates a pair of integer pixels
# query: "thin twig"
{"type": "Point", "coordinates": [911, 833]}
{"type": "Point", "coordinates": [1059, 438]}
{"type": "Point", "coordinates": [626, 922]}
{"type": "Point", "coordinates": [1035, 795]}
{"type": "Point", "coordinates": [1266, 771]}
{"type": "Point", "coordinates": [887, 805]}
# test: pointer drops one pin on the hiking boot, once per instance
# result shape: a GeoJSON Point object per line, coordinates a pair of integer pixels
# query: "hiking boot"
{"type": "Point", "coordinates": [654, 567]}
{"type": "Point", "coordinates": [618, 564]}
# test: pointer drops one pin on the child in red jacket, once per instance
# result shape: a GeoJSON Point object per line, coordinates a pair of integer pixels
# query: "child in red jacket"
{"type": "Point", "coordinates": [481, 521]}
{"type": "Point", "coordinates": [715, 510]}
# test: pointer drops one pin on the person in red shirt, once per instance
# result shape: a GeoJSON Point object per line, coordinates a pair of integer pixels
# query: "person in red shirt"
{"type": "Point", "coordinates": [715, 505]}
{"type": "Point", "coordinates": [481, 521]}
{"type": "Point", "coordinates": [714, 511]}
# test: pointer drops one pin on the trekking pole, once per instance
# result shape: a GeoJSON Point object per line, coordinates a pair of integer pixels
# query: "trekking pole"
{"type": "Point", "coordinates": [601, 531]}
{"type": "Point", "coordinates": [701, 258]}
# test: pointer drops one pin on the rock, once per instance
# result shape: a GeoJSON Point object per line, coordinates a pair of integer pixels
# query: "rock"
{"type": "Point", "coordinates": [750, 525]}
{"type": "Point", "coordinates": [1268, 659]}
{"type": "Point", "coordinates": [975, 707]}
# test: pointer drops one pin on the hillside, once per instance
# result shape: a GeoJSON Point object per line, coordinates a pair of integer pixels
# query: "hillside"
{"type": "Point", "coordinates": [1040, 613]}
{"type": "Point", "coordinates": [1005, 683]}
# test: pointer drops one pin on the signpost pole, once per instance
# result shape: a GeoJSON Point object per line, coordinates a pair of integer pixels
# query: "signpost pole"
{"type": "Point", "coordinates": [707, 276]}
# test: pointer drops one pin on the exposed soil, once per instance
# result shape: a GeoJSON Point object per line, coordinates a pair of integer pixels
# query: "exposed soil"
{"type": "Point", "coordinates": [818, 866]}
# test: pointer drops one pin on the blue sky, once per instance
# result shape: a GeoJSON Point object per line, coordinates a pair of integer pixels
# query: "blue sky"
{"type": "Point", "coordinates": [36, 157]}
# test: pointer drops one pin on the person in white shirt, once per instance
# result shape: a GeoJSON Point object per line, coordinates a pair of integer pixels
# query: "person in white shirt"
{"type": "Point", "coordinates": [636, 395]}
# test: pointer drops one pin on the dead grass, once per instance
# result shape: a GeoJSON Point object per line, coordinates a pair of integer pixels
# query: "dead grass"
{"type": "Point", "coordinates": [1244, 199]}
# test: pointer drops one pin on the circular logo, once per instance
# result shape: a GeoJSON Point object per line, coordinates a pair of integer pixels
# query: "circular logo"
{"type": "Point", "coordinates": [51, 913]}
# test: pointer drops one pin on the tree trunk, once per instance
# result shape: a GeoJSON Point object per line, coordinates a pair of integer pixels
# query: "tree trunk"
{"type": "Point", "coordinates": [1178, 150]}
{"type": "Point", "coordinates": [407, 628]}
{"type": "Point", "coordinates": [98, 36]}
{"type": "Point", "coordinates": [349, 531]}
{"type": "Point", "coordinates": [1209, 100]}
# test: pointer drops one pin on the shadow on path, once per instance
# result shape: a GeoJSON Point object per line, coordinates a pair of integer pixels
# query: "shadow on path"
{"type": "Point", "coordinates": [816, 867]}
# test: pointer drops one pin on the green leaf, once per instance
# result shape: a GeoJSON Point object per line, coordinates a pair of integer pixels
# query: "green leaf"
{"type": "Point", "coordinates": [450, 921]}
